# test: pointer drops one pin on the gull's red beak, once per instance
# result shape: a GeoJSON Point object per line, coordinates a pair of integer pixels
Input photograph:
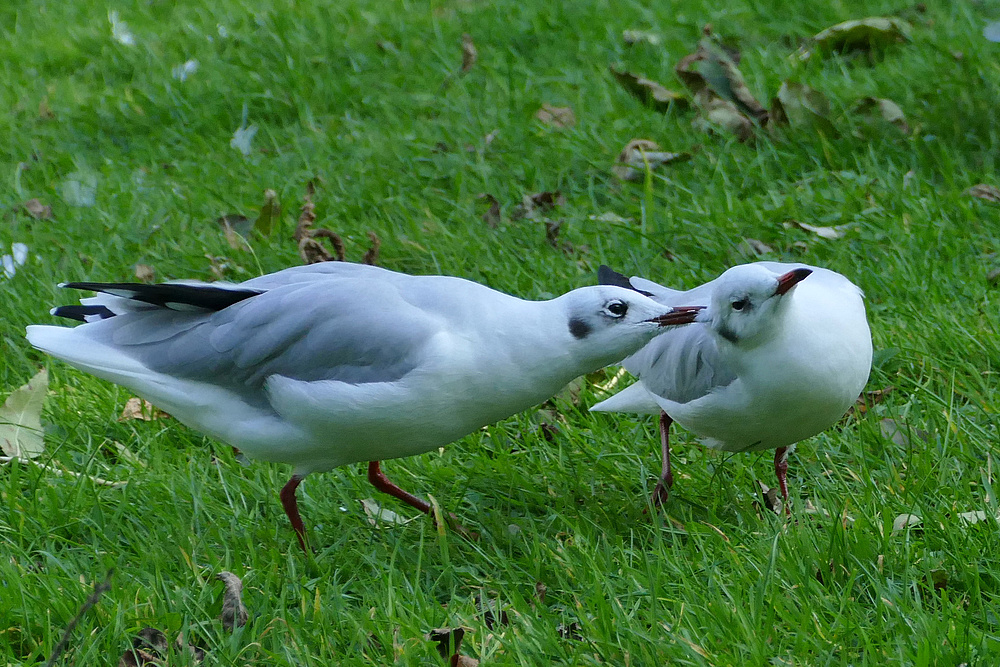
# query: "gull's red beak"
{"type": "Point", "coordinates": [791, 279]}
{"type": "Point", "coordinates": [679, 315]}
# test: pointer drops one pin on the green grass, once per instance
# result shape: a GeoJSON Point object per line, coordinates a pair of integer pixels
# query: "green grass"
{"type": "Point", "coordinates": [712, 581]}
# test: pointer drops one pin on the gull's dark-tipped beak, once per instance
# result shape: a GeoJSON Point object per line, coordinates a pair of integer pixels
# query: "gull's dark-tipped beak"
{"type": "Point", "coordinates": [679, 315]}
{"type": "Point", "coordinates": [791, 279]}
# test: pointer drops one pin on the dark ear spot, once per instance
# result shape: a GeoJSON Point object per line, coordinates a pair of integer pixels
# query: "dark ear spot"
{"type": "Point", "coordinates": [578, 328]}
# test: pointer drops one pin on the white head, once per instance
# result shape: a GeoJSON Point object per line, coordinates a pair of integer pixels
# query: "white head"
{"type": "Point", "coordinates": [607, 323]}
{"type": "Point", "coordinates": [748, 302]}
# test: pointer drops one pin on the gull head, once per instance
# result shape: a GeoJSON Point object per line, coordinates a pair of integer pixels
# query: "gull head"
{"type": "Point", "coordinates": [749, 302]}
{"type": "Point", "coordinates": [608, 322]}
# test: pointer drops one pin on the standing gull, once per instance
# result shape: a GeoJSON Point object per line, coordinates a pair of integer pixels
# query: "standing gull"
{"type": "Point", "coordinates": [779, 354]}
{"type": "Point", "coordinates": [324, 365]}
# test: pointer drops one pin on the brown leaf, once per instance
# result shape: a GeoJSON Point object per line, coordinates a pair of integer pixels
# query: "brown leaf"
{"type": "Point", "coordinates": [371, 255]}
{"type": "Point", "coordinates": [637, 154]}
{"type": "Point", "coordinates": [137, 408]}
{"type": "Point", "coordinates": [313, 252]}
{"type": "Point", "coordinates": [649, 92]}
{"type": "Point", "coordinates": [490, 611]}
{"type": "Point", "coordinates": [449, 641]}
{"type": "Point", "coordinates": [710, 74]}
{"type": "Point", "coordinates": [151, 647]}
{"type": "Point", "coordinates": [756, 247]}
{"type": "Point", "coordinates": [37, 210]}
{"type": "Point", "coordinates": [885, 109]}
{"type": "Point", "coordinates": [540, 591]}
{"type": "Point", "coordinates": [990, 193]}
{"type": "Point", "coordinates": [307, 215]}
{"type": "Point", "coordinates": [538, 204]}
{"type": "Point", "coordinates": [469, 53]}
{"type": "Point", "coordinates": [492, 216]}
{"type": "Point", "coordinates": [772, 498]}
{"type": "Point", "coordinates": [556, 116]}
{"type": "Point", "coordinates": [800, 106]}
{"type": "Point", "coordinates": [552, 228]}
{"type": "Point", "coordinates": [866, 34]}
{"type": "Point", "coordinates": [830, 233]}
{"type": "Point", "coordinates": [234, 613]}
{"type": "Point", "coordinates": [145, 273]}
{"type": "Point", "coordinates": [235, 227]}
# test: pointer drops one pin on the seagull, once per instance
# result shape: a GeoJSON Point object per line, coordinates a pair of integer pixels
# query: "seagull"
{"type": "Point", "coordinates": [333, 363]}
{"type": "Point", "coordinates": [779, 353]}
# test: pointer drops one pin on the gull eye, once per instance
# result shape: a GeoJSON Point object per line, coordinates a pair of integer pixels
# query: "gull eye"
{"type": "Point", "coordinates": [741, 304]}
{"type": "Point", "coordinates": [617, 308]}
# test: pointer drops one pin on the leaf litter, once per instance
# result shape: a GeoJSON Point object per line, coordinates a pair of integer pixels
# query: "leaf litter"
{"type": "Point", "coordinates": [652, 94]}
{"type": "Point", "coordinates": [558, 117]}
{"type": "Point", "coordinates": [867, 34]}
{"type": "Point", "coordinates": [642, 155]}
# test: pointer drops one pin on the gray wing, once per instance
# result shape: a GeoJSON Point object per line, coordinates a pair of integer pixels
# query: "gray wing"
{"type": "Point", "coordinates": [681, 365]}
{"type": "Point", "coordinates": [353, 329]}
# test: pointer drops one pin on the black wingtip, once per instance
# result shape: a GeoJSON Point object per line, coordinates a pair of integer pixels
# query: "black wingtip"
{"type": "Point", "coordinates": [608, 276]}
{"type": "Point", "coordinates": [82, 313]}
{"type": "Point", "coordinates": [175, 296]}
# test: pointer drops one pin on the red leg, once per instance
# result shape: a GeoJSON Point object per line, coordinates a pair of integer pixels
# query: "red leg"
{"type": "Point", "coordinates": [662, 490]}
{"type": "Point", "coordinates": [382, 483]}
{"type": "Point", "coordinates": [291, 506]}
{"type": "Point", "coordinates": [781, 470]}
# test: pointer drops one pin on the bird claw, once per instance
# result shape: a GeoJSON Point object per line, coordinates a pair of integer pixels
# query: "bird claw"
{"type": "Point", "coordinates": [660, 494]}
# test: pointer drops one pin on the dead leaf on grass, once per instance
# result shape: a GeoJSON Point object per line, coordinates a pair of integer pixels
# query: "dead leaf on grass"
{"type": "Point", "coordinates": [21, 418]}
{"type": "Point", "coordinates": [905, 521]}
{"type": "Point", "coordinates": [552, 228]}
{"type": "Point", "coordinates": [829, 233]}
{"type": "Point", "coordinates": [492, 215]}
{"type": "Point", "coordinates": [37, 210]}
{"type": "Point", "coordinates": [376, 513]}
{"type": "Point", "coordinates": [868, 34]}
{"type": "Point", "coordinates": [152, 647]}
{"type": "Point", "coordinates": [234, 613]}
{"type": "Point", "coordinates": [801, 107]}
{"type": "Point", "coordinates": [490, 611]}
{"type": "Point", "coordinates": [556, 116]}
{"type": "Point", "coordinates": [571, 630]}
{"type": "Point", "coordinates": [469, 53]}
{"type": "Point", "coordinates": [449, 641]}
{"type": "Point", "coordinates": [536, 205]}
{"type": "Point", "coordinates": [236, 227]}
{"type": "Point", "coordinates": [974, 517]}
{"type": "Point", "coordinates": [755, 247]}
{"type": "Point", "coordinates": [886, 110]}
{"type": "Point", "coordinates": [772, 498]}
{"type": "Point", "coordinates": [640, 154]}
{"type": "Point", "coordinates": [867, 400]}
{"type": "Point", "coordinates": [718, 86]}
{"type": "Point", "coordinates": [145, 273]}
{"type": "Point", "coordinates": [900, 433]}
{"type": "Point", "coordinates": [990, 193]}
{"type": "Point", "coordinates": [137, 408]}
{"type": "Point", "coordinates": [649, 92]}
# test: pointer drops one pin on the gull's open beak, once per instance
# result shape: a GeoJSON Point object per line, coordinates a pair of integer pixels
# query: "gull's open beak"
{"type": "Point", "coordinates": [791, 279]}
{"type": "Point", "coordinates": [679, 315]}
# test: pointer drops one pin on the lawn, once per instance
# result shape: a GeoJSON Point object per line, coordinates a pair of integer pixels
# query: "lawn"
{"type": "Point", "coordinates": [138, 156]}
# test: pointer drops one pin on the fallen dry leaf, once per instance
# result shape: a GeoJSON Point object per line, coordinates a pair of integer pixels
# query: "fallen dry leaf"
{"type": "Point", "coordinates": [469, 53]}
{"type": "Point", "coordinates": [772, 498]}
{"type": "Point", "coordinates": [649, 92]}
{"type": "Point", "coordinates": [37, 210]}
{"type": "Point", "coordinates": [556, 116]}
{"type": "Point", "coordinates": [21, 418]}
{"type": "Point", "coordinates": [449, 641]}
{"type": "Point", "coordinates": [151, 647]}
{"type": "Point", "coordinates": [236, 227]}
{"type": "Point", "coordinates": [719, 88]}
{"type": "Point", "coordinates": [234, 613]}
{"type": "Point", "coordinates": [376, 513]}
{"type": "Point", "coordinates": [756, 247]}
{"type": "Point", "coordinates": [905, 521]}
{"type": "Point", "coordinates": [887, 110]}
{"type": "Point", "coordinates": [540, 591]}
{"type": "Point", "coordinates": [831, 233]}
{"type": "Point", "coordinates": [900, 433]}
{"type": "Point", "coordinates": [492, 215]}
{"type": "Point", "coordinates": [867, 400]}
{"type": "Point", "coordinates": [571, 630]}
{"type": "Point", "coordinates": [536, 205]}
{"type": "Point", "coordinates": [633, 160]}
{"type": "Point", "coordinates": [990, 193]}
{"type": "Point", "coordinates": [137, 408]}
{"type": "Point", "coordinates": [552, 228]}
{"type": "Point", "coordinates": [800, 106]}
{"type": "Point", "coordinates": [490, 611]}
{"type": "Point", "coordinates": [145, 273]}
{"type": "Point", "coordinates": [974, 517]}
{"type": "Point", "coordinates": [868, 34]}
